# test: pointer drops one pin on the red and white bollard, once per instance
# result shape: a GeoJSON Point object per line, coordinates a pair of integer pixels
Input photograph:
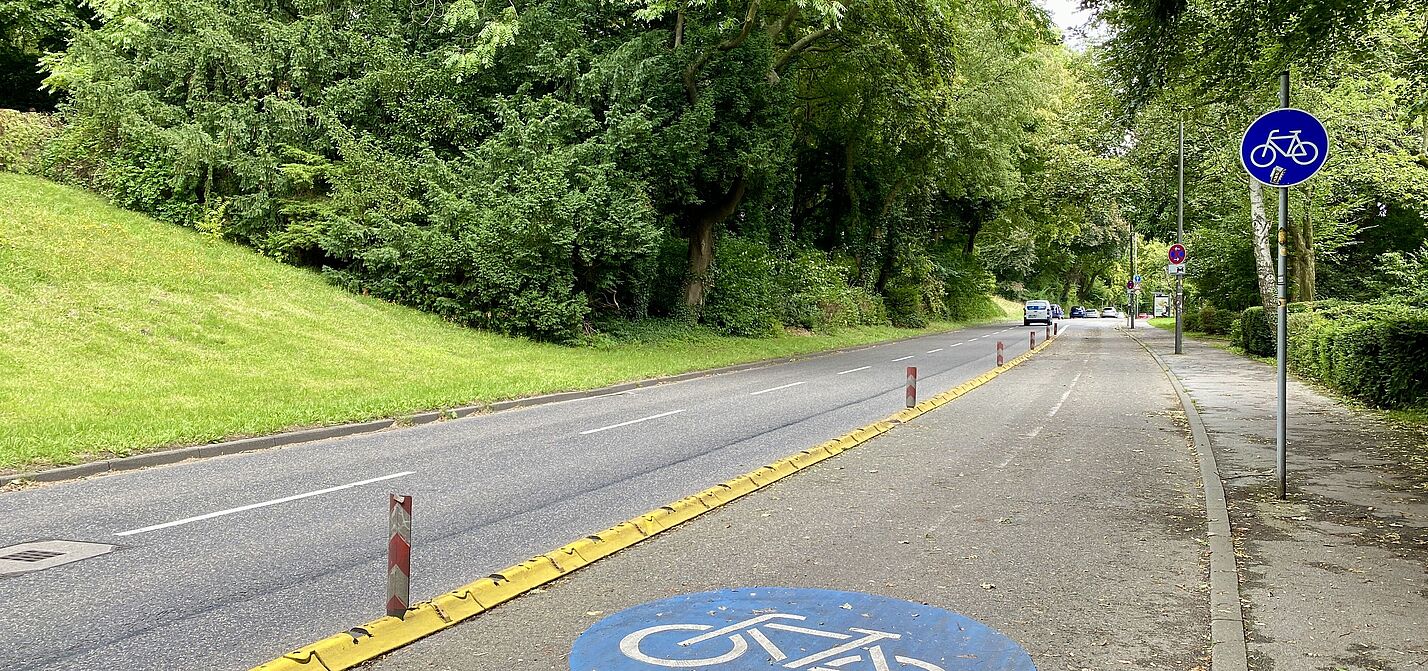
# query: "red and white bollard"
{"type": "Point", "coordinates": [911, 386]}
{"type": "Point", "coordinates": [999, 354]}
{"type": "Point", "coordinates": [1033, 338]}
{"type": "Point", "coordinates": [1048, 333]}
{"type": "Point", "coordinates": [399, 555]}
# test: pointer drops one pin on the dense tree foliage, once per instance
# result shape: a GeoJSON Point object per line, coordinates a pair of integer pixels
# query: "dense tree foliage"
{"type": "Point", "coordinates": [530, 166]}
{"type": "Point", "coordinates": [537, 167]}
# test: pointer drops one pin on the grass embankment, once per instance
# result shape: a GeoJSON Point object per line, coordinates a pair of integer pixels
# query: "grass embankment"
{"type": "Point", "coordinates": [122, 334]}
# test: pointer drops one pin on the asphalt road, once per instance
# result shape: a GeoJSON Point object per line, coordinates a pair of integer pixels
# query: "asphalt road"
{"type": "Point", "coordinates": [227, 562]}
{"type": "Point", "coordinates": [1059, 504]}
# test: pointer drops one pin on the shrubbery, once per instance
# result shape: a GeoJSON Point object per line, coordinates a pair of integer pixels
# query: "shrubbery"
{"type": "Point", "coordinates": [1255, 331]}
{"type": "Point", "coordinates": [1375, 352]}
{"type": "Point", "coordinates": [1214, 321]}
{"type": "Point", "coordinates": [743, 296]}
{"type": "Point", "coordinates": [23, 137]}
{"type": "Point", "coordinates": [817, 295]}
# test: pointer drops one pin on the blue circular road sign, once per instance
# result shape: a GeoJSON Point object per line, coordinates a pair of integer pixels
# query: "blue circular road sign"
{"type": "Point", "coordinates": [1177, 253]}
{"type": "Point", "coordinates": [761, 628]}
{"type": "Point", "coordinates": [1284, 147]}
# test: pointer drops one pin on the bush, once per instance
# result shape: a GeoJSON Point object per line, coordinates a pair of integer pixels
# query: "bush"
{"type": "Point", "coordinates": [816, 295]}
{"type": "Point", "coordinates": [1214, 321]}
{"type": "Point", "coordinates": [1256, 333]}
{"type": "Point", "coordinates": [23, 138]}
{"type": "Point", "coordinates": [1192, 321]}
{"type": "Point", "coordinates": [743, 296]}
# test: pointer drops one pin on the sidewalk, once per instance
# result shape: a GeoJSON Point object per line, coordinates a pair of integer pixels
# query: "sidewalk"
{"type": "Point", "coordinates": [1059, 504]}
{"type": "Point", "coordinates": [1333, 578]}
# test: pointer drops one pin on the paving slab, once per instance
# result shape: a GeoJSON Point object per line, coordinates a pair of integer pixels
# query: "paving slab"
{"type": "Point", "coordinates": [1059, 504]}
{"type": "Point", "coordinates": [1335, 577]}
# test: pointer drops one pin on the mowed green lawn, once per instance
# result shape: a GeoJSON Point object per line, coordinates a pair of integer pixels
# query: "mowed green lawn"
{"type": "Point", "coordinates": [119, 334]}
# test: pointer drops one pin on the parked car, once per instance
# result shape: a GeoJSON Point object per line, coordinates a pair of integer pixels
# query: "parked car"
{"type": "Point", "coordinates": [1109, 311]}
{"type": "Point", "coordinates": [1078, 312]}
{"type": "Point", "coordinates": [1036, 311]}
{"type": "Point", "coordinates": [1057, 312]}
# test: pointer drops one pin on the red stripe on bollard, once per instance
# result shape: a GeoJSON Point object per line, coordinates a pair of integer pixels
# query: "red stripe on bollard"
{"type": "Point", "coordinates": [1048, 333]}
{"type": "Point", "coordinates": [1033, 338]}
{"type": "Point", "coordinates": [999, 354]}
{"type": "Point", "coordinates": [399, 555]}
{"type": "Point", "coordinates": [911, 386]}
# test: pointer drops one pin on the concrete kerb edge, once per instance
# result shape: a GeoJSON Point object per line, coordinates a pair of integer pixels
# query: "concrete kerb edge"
{"type": "Point", "coordinates": [1228, 648]}
{"type": "Point", "coordinates": [378, 637]}
{"type": "Point", "coordinates": [174, 455]}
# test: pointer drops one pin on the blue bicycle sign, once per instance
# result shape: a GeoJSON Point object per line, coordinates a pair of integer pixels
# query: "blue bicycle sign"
{"type": "Point", "coordinates": [1284, 147]}
{"type": "Point", "coordinates": [776, 628]}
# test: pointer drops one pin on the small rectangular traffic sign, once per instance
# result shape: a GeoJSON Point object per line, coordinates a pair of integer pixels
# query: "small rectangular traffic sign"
{"type": "Point", "coordinates": [1175, 269]}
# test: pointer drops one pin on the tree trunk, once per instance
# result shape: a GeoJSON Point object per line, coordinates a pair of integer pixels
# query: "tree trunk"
{"type": "Point", "coordinates": [972, 232]}
{"type": "Point", "coordinates": [1263, 255]}
{"type": "Point", "coordinates": [701, 223]}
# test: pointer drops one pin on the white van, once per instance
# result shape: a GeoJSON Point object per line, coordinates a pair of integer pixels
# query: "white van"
{"type": "Point", "coordinates": [1036, 311]}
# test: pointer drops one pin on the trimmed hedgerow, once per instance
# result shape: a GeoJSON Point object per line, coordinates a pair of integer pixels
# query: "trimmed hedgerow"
{"type": "Point", "coordinates": [1377, 353]}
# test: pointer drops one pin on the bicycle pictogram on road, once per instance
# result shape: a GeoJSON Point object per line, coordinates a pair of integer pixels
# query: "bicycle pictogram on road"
{"type": "Point", "coordinates": [847, 651]}
{"type": "Point", "coordinates": [794, 630]}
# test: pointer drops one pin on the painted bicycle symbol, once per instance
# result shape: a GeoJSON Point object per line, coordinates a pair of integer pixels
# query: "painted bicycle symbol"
{"type": "Point", "coordinates": [1287, 145]}
{"type": "Point", "coordinates": [858, 650]}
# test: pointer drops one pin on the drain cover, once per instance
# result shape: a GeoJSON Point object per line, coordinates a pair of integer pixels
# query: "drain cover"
{"type": "Point", "coordinates": [41, 555]}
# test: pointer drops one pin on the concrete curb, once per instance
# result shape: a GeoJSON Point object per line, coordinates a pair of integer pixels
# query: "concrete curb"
{"type": "Point", "coordinates": [378, 637]}
{"type": "Point", "coordinates": [1228, 649]}
{"type": "Point", "coordinates": [174, 455]}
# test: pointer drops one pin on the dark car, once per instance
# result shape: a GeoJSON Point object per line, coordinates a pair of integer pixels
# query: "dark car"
{"type": "Point", "coordinates": [1057, 312]}
{"type": "Point", "coordinates": [1077, 312]}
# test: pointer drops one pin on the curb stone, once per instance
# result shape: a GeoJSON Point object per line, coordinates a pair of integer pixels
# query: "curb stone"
{"type": "Point", "coordinates": [162, 457]}
{"type": "Point", "coordinates": [367, 642]}
{"type": "Point", "coordinates": [1228, 649]}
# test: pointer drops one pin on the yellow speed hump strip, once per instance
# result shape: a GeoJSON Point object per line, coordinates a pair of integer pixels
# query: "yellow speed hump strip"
{"type": "Point", "coordinates": [369, 641]}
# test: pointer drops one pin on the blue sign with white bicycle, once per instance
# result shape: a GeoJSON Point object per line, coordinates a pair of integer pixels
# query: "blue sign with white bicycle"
{"type": "Point", "coordinates": [1284, 147]}
{"type": "Point", "coordinates": [762, 628]}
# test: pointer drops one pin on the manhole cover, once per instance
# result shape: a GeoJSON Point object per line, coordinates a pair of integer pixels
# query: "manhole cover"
{"type": "Point", "coordinates": [40, 555]}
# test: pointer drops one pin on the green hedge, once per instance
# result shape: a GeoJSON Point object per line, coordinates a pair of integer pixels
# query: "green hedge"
{"type": "Point", "coordinates": [1374, 352]}
{"type": "Point", "coordinates": [1377, 353]}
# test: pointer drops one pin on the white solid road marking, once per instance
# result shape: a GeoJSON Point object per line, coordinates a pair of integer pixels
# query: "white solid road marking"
{"type": "Point", "coordinates": [956, 344]}
{"type": "Point", "coordinates": [782, 386]}
{"type": "Point", "coordinates": [854, 370]}
{"type": "Point", "coordinates": [1057, 408]}
{"type": "Point", "coordinates": [633, 421]}
{"type": "Point", "coordinates": [252, 506]}
{"type": "Point", "coordinates": [903, 358]}
{"type": "Point", "coordinates": [934, 351]}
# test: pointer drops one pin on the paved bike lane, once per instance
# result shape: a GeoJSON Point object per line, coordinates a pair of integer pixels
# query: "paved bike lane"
{"type": "Point", "coordinates": [1059, 505]}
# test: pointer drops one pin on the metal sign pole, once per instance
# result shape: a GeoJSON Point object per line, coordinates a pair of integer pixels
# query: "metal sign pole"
{"type": "Point", "coordinates": [1280, 434]}
{"type": "Point", "coordinates": [1180, 234]}
{"type": "Point", "coordinates": [1130, 297]}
